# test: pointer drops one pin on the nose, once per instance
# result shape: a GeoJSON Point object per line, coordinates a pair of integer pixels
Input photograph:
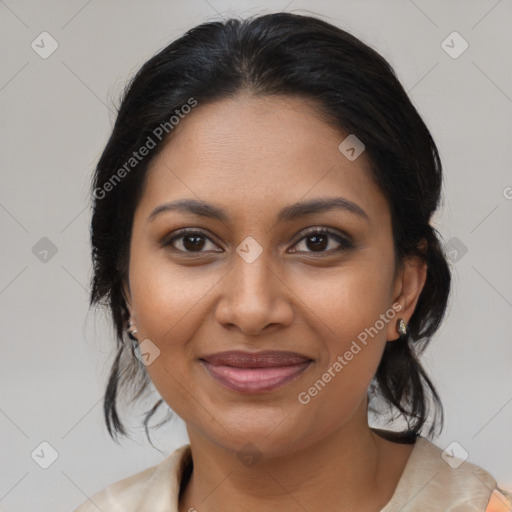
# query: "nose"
{"type": "Point", "coordinates": [254, 298]}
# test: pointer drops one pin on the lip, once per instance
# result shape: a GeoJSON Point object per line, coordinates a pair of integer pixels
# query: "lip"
{"type": "Point", "coordinates": [255, 372]}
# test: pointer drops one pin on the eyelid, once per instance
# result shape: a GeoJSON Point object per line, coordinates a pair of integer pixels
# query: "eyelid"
{"type": "Point", "coordinates": [180, 233]}
{"type": "Point", "coordinates": [345, 238]}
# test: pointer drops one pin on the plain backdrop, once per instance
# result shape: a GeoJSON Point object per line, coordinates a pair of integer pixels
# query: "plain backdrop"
{"type": "Point", "coordinates": [56, 115]}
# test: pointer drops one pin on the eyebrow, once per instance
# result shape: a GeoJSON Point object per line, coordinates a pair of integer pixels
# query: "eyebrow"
{"type": "Point", "coordinates": [288, 213]}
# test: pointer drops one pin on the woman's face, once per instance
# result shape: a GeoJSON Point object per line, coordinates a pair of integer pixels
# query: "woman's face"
{"type": "Point", "coordinates": [264, 277]}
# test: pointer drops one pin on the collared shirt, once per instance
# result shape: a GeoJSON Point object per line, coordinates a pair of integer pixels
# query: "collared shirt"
{"type": "Point", "coordinates": [429, 483]}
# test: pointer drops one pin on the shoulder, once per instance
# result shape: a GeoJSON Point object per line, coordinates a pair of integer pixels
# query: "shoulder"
{"type": "Point", "coordinates": [156, 488]}
{"type": "Point", "coordinates": [437, 477]}
{"type": "Point", "coordinates": [501, 501]}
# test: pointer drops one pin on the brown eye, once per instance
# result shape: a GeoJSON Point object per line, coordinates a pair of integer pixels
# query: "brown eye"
{"type": "Point", "coordinates": [318, 240]}
{"type": "Point", "coordinates": [189, 241]}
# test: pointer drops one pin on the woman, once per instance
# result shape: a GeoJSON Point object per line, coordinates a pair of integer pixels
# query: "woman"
{"type": "Point", "coordinates": [261, 234]}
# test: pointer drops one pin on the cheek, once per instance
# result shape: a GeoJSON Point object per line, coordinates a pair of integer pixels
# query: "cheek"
{"type": "Point", "coordinates": [353, 336]}
{"type": "Point", "coordinates": [350, 303]}
{"type": "Point", "coordinates": [168, 298]}
{"type": "Point", "coordinates": [168, 302]}
{"type": "Point", "coordinates": [350, 314]}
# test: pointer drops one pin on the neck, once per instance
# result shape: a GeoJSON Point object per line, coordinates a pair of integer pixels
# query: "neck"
{"type": "Point", "coordinates": [334, 473]}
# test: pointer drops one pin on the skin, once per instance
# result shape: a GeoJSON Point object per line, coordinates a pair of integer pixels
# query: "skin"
{"type": "Point", "coordinates": [251, 157]}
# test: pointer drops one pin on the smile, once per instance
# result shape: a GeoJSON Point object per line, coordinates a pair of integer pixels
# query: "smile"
{"type": "Point", "coordinates": [255, 372]}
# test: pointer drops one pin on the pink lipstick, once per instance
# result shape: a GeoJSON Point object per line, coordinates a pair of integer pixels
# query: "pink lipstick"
{"type": "Point", "coordinates": [255, 372]}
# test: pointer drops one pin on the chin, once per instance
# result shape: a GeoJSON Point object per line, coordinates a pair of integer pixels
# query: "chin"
{"type": "Point", "coordinates": [272, 439]}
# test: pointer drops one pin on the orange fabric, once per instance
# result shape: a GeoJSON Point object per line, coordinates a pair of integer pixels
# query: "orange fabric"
{"type": "Point", "coordinates": [498, 503]}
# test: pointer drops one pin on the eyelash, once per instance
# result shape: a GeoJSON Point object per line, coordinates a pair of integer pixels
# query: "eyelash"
{"type": "Point", "coordinates": [344, 242]}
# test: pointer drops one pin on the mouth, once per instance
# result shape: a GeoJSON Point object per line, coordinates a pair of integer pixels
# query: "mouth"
{"type": "Point", "coordinates": [255, 372]}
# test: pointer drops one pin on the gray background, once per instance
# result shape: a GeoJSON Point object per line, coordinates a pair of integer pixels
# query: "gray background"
{"type": "Point", "coordinates": [56, 115]}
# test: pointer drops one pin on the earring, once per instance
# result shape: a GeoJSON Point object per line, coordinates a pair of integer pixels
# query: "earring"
{"type": "Point", "coordinates": [401, 327]}
{"type": "Point", "coordinates": [132, 331]}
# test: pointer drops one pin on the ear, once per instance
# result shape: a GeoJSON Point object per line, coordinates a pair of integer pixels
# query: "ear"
{"type": "Point", "coordinates": [407, 289]}
{"type": "Point", "coordinates": [127, 296]}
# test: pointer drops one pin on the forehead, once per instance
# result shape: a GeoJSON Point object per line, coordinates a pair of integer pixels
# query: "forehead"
{"type": "Point", "coordinates": [255, 154]}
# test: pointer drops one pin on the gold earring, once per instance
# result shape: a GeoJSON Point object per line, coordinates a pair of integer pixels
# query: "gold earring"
{"type": "Point", "coordinates": [401, 327]}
